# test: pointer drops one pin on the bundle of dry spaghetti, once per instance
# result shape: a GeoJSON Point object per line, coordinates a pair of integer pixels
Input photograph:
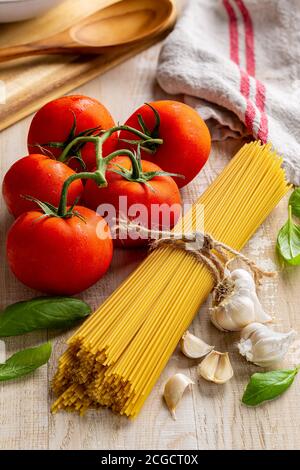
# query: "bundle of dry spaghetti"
{"type": "Point", "coordinates": [117, 355]}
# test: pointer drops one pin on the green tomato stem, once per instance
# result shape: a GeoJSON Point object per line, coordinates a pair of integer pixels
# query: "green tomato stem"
{"type": "Point", "coordinates": [132, 130]}
{"type": "Point", "coordinates": [96, 140]}
{"type": "Point", "coordinates": [136, 171]}
{"type": "Point", "coordinates": [101, 163]}
{"type": "Point", "coordinates": [97, 176]}
{"type": "Point", "coordinates": [78, 140]}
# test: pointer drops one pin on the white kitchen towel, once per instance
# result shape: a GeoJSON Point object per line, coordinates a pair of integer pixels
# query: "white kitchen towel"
{"type": "Point", "coordinates": [238, 63]}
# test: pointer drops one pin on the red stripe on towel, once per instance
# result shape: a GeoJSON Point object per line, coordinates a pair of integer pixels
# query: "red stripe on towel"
{"type": "Point", "coordinates": [233, 32]}
{"type": "Point", "coordinates": [249, 37]}
{"type": "Point", "coordinates": [234, 55]}
{"type": "Point", "coordinates": [260, 100]}
{"type": "Point", "coordinates": [250, 109]}
{"type": "Point", "coordinates": [260, 97]}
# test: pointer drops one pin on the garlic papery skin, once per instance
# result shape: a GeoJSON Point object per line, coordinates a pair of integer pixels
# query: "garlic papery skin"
{"type": "Point", "coordinates": [263, 346]}
{"type": "Point", "coordinates": [236, 304]}
{"type": "Point", "coordinates": [174, 389]}
{"type": "Point", "coordinates": [216, 367]}
{"type": "Point", "coordinates": [193, 347]}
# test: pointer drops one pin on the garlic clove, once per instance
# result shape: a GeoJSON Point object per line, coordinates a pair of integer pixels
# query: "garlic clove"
{"type": "Point", "coordinates": [263, 346]}
{"type": "Point", "coordinates": [236, 303]}
{"type": "Point", "coordinates": [245, 282]}
{"type": "Point", "coordinates": [245, 349]}
{"type": "Point", "coordinates": [174, 389]}
{"type": "Point", "coordinates": [243, 279]}
{"type": "Point", "coordinates": [216, 367]}
{"type": "Point", "coordinates": [260, 315]}
{"type": "Point", "coordinates": [254, 328]}
{"type": "Point", "coordinates": [277, 347]}
{"type": "Point", "coordinates": [224, 371]}
{"type": "Point", "coordinates": [233, 314]}
{"type": "Point", "coordinates": [193, 347]}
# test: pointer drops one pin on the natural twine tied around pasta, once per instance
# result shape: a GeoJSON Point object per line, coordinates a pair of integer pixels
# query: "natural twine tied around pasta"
{"type": "Point", "coordinates": [214, 254]}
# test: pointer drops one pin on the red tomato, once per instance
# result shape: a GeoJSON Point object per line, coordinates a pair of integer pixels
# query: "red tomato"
{"type": "Point", "coordinates": [162, 191]}
{"type": "Point", "coordinates": [54, 123]}
{"type": "Point", "coordinates": [59, 256]}
{"type": "Point", "coordinates": [186, 138]}
{"type": "Point", "coordinates": [40, 177]}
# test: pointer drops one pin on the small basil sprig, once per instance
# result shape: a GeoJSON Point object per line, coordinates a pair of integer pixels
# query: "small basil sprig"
{"type": "Point", "coordinates": [42, 313]}
{"type": "Point", "coordinates": [294, 202]}
{"type": "Point", "coordinates": [288, 241]}
{"type": "Point", "coordinates": [268, 385]}
{"type": "Point", "coordinates": [24, 362]}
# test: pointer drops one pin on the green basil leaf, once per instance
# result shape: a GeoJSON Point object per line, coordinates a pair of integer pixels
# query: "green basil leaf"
{"type": "Point", "coordinates": [268, 385]}
{"type": "Point", "coordinates": [24, 362]}
{"type": "Point", "coordinates": [288, 241]}
{"type": "Point", "coordinates": [42, 313]}
{"type": "Point", "coordinates": [294, 202]}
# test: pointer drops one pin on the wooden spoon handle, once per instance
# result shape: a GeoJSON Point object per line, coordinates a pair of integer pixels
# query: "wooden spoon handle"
{"type": "Point", "coordinates": [14, 52]}
{"type": "Point", "coordinates": [59, 44]}
{"type": "Point", "coordinates": [26, 50]}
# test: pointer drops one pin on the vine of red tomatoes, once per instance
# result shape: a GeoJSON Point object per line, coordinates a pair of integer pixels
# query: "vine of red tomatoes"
{"type": "Point", "coordinates": [79, 160]}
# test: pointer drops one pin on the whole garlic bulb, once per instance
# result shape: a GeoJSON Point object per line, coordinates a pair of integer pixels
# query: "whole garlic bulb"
{"type": "Point", "coordinates": [236, 303]}
{"type": "Point", "coordinates": [263, 346]}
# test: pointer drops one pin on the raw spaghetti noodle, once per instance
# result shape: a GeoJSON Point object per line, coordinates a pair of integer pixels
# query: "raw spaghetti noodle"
{"type": "Point", "coordinates": [117, 355]}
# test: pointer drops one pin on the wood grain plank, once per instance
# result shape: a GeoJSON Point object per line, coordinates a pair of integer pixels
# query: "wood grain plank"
{"type": "Point", "coordinates": [224, 422]}
{"type": "Point", "coordinates": [209, 416]}
{"type": "Point", "coordinates": [32, 82]}
{"type": "Point", "coordinates": [23, 404]}
{"type": "Point", "coordinates": [102, 429]}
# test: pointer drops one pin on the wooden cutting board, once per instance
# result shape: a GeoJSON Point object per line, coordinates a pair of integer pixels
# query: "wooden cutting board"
{"type": "Point", "coordinates": [29, 83]}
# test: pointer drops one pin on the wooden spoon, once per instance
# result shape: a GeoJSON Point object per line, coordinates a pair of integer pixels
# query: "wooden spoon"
{"type": "Point", "coordinates": [125, 22]}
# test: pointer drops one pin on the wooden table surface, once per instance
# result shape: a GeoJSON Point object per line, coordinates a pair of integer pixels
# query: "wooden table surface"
{"type": "Point", "coordinates": [210, 416]}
